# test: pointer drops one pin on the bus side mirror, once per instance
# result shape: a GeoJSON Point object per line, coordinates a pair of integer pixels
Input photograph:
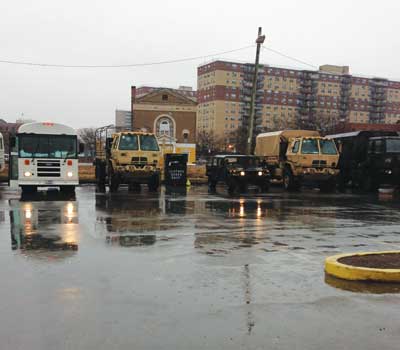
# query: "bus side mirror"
{"type": "Point", "coordinates": [13, 142]}
{"type": "Point", "coordinates": [81, 147]}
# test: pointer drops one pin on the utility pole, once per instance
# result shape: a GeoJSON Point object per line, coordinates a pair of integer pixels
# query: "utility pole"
{"type": "Point", "coordinates": [259, 41]}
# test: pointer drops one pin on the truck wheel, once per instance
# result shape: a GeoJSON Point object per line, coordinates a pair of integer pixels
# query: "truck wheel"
{"type": "Point", "coordinates": [369, 184]}
{"type": "Point", "coordinates": [231, 187]}
{"type": "Point", "coordinates": [67, 189]}
{"type": "Point", "coordinates": [289, 182]}
{"type": "Point", "coordinates": [212, 185]}
{"type": "Point", "coordinates": [113, 182]}
{"type": "Point", "coordinates": [154, 183]}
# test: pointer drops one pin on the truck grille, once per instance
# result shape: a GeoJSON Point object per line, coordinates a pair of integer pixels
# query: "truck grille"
{"type": "Point", "coordinates": [319, 163]}
{"type": "Point", "coordinates": [139, 161]}
{"type": "Point", "coordinates": [48, 168]}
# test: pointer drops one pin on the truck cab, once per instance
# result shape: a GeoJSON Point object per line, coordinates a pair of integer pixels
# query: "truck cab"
{"type": "Point", "coordinates": [127, 157]}
{"type": "Point", "coordinates": [299, 156]}
{"type": "Point", "coordinates": [368, 159]}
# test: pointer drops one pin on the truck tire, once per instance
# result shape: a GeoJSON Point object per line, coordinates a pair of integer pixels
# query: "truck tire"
{"type": "Point", "coordinates": [100, 176]}
{"type": "Point", "coordinates": [231, 187]}
{"type": "Point", "coordinates": [212, 185]}
{"type": "Point", "coordinates": [67, 189]}
{"type": "Point", "coordinates": [289, 181]}
{"type": "Point", "coordinates": [154, 183]}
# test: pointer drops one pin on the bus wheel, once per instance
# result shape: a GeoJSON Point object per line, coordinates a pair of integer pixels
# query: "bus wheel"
{"type": "Point", "coordinates": [67, 189]}
{"type": "Point", "coordinates": [29, 189]}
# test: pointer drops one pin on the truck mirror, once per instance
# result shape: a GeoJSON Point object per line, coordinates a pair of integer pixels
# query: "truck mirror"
{"type": "Point", "coordinates": [81, 147]}
{"type": "Point", "coordinates": [13, 142]}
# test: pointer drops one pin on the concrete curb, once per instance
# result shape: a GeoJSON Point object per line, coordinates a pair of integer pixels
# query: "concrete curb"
{"type": "Point", "coordinates": [354, 273]}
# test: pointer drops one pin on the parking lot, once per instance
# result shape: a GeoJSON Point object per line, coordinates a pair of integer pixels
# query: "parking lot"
{"type": "Point", "coordinates": [193, 270]}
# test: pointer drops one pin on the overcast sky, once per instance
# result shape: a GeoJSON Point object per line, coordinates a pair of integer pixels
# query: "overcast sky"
{"type": "Point", "coordinates": [361, 34]}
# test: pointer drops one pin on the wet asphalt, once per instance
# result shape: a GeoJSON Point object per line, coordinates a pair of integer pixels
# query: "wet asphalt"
{"type": "Point", "coordinates": [194, 270]}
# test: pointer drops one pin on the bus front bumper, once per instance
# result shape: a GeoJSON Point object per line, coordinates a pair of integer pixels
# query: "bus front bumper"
{"type": "Point", "coordinates": [49, 182]}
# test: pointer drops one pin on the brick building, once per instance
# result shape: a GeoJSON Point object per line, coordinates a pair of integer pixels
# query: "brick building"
{"type": "Point", "coordinates": [290, 98]}
{"type": "Point", "coordinates": [169, 113]}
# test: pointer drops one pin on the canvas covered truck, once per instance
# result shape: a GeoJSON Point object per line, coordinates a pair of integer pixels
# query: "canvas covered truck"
{"type": "Point", "coordinates": [126, 157]}
{"type": "Point", "coordinates": [299, 156]}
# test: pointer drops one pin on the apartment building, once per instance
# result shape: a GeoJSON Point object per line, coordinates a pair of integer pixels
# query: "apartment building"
{"type": "Point", "coordinates": [290, 98]}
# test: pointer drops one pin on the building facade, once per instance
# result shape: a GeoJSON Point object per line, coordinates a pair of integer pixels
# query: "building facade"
{"type": "Point", "coordinates": [123, 119]}
{"type": "Point", "coordinates": [169, 114]}
{"type": "Point", "coordinates": [291, 98]}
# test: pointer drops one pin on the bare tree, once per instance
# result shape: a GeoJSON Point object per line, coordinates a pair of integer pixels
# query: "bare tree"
{"type": "Point", "coordinates": [208, 143]}
{"type": "Point", "coordinates": [88, 137]}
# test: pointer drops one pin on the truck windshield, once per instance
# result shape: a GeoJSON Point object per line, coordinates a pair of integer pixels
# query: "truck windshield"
{"type": "Point", "coordinates": [309, 146]}
{"type": "Point", "coordinates": [327, 147]}
{"type": "Point", "coordinates": [148, 143]}
{"type": "Point", "coordinates": [393, 146]}
{"type": "Point", "coordinates": [128, 142]}
{"type": "Point", "coordinates": [47, 146]}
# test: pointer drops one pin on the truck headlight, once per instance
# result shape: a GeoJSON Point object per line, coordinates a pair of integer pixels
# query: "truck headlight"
{"type": "Point", "coordinates": [27, 173]}
{"type": "Point", "coordinates": [69, 174]}
{"type": "Point", "coordinates": [260, 173]}
{"type": "Point", "coordinates": [242, 173]}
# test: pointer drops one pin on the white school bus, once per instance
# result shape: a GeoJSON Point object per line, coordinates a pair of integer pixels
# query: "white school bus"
{"type": "Point", "coordinates": [44, 154]}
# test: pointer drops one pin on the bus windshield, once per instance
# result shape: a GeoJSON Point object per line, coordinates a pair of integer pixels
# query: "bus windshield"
{"type": "Point", "coordinates": [47, 146]}
{"type": "Point", "coordinates": [148, 143]}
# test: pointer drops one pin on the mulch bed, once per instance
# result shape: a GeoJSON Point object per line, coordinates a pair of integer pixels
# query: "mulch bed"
{"type": "Point", "coordinates": [377, 261]}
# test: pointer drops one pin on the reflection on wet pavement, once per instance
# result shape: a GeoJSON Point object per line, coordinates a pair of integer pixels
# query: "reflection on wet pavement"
{"type": "Point", "coordinates": [39, 229]}
{"type": "Point", "coordinates": [225, 272]}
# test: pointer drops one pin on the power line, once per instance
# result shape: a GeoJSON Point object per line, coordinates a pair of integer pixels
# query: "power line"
{"type": "Point", "coordinates": [24, 63]}
{"type": "Point", "coordinates": [290, 57]}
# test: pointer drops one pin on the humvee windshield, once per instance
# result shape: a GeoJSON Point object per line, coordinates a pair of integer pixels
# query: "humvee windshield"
{"type": "Point", "coordinates": [242, 161]}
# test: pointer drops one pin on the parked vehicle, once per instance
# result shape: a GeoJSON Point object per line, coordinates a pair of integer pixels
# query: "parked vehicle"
{"type": "Point", "coordinates": [126, 157]}
{"type": "Point", "coordinates": [44, 155]}
{"type": "Point", "coordinates": [2, 156]}
{"type": "Point", "coordinates": [298, 156]}
{"type": "Point", "coordinates": [237, 172]}
{"type": "Point", "coordinates": [368, 159]}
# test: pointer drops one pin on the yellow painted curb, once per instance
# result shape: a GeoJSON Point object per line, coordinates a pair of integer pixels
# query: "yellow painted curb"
{"type": "Point", "coordinates": [335, 268]}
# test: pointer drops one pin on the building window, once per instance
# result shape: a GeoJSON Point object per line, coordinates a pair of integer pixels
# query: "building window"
{"type": "Point", "coordinates": [165, 97]}
{"type": "Point", "coordinates": [165, 127]}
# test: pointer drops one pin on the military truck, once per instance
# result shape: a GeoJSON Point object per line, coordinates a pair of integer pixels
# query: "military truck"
{"type": "Point", "coordinates": [368, 159]}
{"type": "Point", "coordinates": [126, 157]}
{"type": "Point", "coordinates": [299, 156]}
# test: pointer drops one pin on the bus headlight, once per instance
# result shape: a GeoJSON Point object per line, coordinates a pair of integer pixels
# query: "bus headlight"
{"type": "Point", "coordinates": [259, 173]}
{"type": "Point", "coordinates": [27, 173]}
{"type": "Point", "coordinates": [69, 174]}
